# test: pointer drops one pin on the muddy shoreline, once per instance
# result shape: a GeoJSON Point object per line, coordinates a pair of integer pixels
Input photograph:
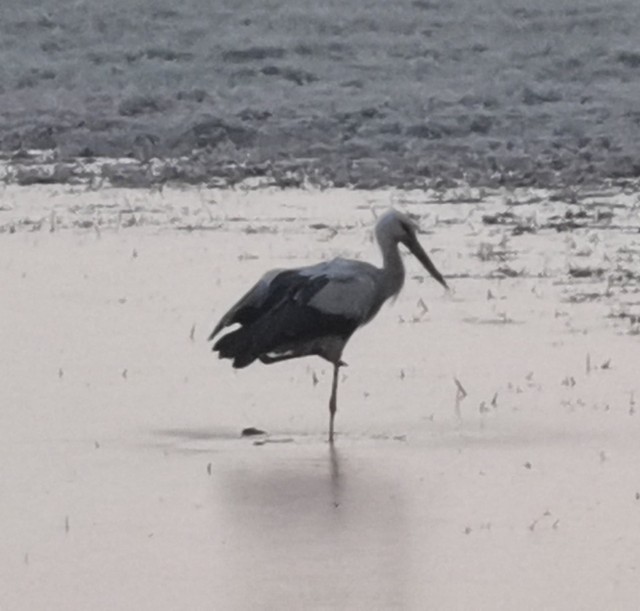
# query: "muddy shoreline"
{"type": "Point", "coordinates": [27, 168]}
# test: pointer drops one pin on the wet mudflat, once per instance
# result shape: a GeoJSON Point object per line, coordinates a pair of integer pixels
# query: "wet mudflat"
{"type": "Point", "coordinates": [487, 440]}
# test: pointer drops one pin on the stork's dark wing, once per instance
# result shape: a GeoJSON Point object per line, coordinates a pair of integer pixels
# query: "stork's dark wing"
{"type": "Point", "coordinates": [289, 309]}
{"type": "Point", "coordinates": [274, 288]}
{"type": "Point", "coordinates": [249, 307]}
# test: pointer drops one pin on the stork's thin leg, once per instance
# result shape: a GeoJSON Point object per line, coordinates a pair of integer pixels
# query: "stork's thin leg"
{"type": "Point", "coordinates": [333, 402]}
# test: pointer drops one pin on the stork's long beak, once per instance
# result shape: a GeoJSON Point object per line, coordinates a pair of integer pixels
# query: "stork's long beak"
{"type": "Point", "coordinates": [416, 249]}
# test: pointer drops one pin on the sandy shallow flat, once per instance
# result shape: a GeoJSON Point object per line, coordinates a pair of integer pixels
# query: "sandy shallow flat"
{"type": "Point", "coordinates": [126, 484]}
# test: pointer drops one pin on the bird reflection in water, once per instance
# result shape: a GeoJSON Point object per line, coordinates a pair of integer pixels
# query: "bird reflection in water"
{"type": "Point", "coordinates": [314, 529]}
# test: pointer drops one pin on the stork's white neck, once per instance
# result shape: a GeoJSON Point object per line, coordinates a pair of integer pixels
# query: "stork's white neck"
{"type": "Point", "coordinates": [392, 266]}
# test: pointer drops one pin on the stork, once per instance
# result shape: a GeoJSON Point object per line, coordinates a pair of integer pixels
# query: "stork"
{"type": "Point", "coordinates": [314, 310]}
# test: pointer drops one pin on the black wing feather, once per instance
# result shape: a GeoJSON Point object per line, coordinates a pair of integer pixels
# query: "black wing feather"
{"type": "Point", "coordinates": [282, 319]}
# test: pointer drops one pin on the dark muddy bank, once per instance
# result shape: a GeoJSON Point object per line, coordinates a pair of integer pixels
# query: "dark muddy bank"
{"type": "Point", "coordinates": [363, 93]}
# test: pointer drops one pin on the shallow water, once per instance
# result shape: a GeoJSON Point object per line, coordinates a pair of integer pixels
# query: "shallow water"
{"type": "Point", "coordinates": [126, 483]}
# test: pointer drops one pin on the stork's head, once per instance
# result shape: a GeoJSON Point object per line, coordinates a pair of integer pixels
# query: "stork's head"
{"type": "Point", "coordinates": [399, 228]}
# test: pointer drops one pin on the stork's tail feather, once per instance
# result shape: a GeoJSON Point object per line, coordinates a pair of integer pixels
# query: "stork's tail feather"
{"type": "Point", "coordinates": [238, 346]}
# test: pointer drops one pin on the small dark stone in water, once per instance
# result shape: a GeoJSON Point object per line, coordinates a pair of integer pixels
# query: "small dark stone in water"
{"type": "Point", "coordinates": [251, 432]}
